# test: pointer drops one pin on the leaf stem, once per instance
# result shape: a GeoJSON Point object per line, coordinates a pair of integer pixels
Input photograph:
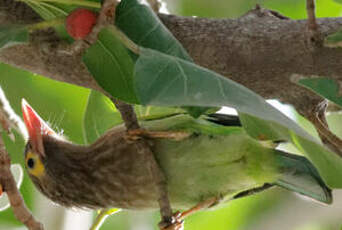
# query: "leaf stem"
{"type": "Point", "coordinates": [101, 217]}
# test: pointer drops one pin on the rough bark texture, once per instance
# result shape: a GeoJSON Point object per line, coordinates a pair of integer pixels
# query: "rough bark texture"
{"type": "Point", "coordinates": [260, 50]}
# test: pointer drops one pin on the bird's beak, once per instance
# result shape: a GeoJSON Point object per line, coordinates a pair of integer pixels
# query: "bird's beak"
{"type": "Point", "coordinates": [36, 128]}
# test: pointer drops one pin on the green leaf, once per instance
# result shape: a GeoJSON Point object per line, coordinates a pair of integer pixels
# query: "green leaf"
{"type": "Point", "coordinates": [144, 28]}
{"type": "Point", "coordinates": [100, 115]}
{"type": "Point", "coordinates": [325, 87]}
{"type": "Point", "coordinates": [13, 35]}
{"type": "Point", "coordinates": [165, 80]}
{"type": "Point", "coordinates": [338, 1]}
{"type": "Point", "coordinates": [111, 66]}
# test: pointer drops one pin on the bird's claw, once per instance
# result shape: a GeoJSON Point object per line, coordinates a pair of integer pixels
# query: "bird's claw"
{"type": "Point", "coordinates": [175, 223]}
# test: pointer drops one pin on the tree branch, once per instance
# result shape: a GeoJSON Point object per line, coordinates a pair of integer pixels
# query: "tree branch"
{"type": "Point", "coordinates": [258, 50]}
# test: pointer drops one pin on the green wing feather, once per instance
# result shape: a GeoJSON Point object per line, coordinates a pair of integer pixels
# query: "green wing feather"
{"type": "Point", "coordinates": [299, 175]}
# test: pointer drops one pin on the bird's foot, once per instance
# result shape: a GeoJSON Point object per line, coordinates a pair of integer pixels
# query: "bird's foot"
{"type": "Point", "coordinates": [136, 134]}
{"type": "Point", "coordinates": [174, 223]}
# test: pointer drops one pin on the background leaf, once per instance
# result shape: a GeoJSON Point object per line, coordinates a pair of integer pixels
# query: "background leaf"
{"type": "Point", "coordinates": [61, 104]}
{"type": "Point", "coordinates": [100, 116]}
{"type": "Point", "coordinates": [12, 35]}
{"type": "Point", "coordinates": [325, 87]}
{"type": "Point", "coordinates": [231, 8]}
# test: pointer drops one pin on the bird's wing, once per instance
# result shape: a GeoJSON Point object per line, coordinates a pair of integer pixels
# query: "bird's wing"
{"type": "Point", "coordinates": [299, 175]}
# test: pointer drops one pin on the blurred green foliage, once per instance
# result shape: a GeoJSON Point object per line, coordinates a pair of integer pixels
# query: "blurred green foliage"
{"type": "Point", "coordinates": [294, 9]}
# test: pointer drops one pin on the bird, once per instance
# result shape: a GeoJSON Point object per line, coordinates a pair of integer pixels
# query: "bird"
{"type": "Point", "coordinates": [207, 157]}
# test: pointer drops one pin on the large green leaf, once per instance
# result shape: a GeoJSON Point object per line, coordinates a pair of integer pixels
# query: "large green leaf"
{"type": "Point", "coordinates": [12, 35]}
{"type": "Point", "coordinates": [144, 28]}
{"type": "Point", "coordinates": [111, 66]}
{"type": "Point", "coordinates": [325, 87]}
{"type": "Point", "coordinates": [165, 80]}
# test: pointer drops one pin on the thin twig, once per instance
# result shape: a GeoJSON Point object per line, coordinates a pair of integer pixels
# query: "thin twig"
{"type": "Point", "coordinates": [127, 113]}
{"type": "Point", "coordinates": [317, 118]}
{"type": "Point", "coordinates": [310, 10]}
{"type": "Point", "coordinates": [107, 17]}
{"type": "Point", "coordinates": [7, 181]}
{"type": "Point", "coordinates": [131, 123]}
{"type": "Point", "coordinates": [314, 36]}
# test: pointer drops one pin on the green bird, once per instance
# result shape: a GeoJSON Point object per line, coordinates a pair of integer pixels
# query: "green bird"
{"type": "Point", "coordinates": [208, 158]}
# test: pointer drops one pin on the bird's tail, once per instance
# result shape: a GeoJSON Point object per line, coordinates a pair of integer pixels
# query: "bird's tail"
{"type": "Point", "coordinates": [299, 175]}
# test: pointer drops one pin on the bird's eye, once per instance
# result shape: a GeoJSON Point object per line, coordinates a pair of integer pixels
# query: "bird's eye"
{"type": "Point", "coordinates": [30, 163]}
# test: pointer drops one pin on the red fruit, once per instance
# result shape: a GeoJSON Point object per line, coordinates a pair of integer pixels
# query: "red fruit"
{"type": "Point", "coordinates": [80, 22]}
